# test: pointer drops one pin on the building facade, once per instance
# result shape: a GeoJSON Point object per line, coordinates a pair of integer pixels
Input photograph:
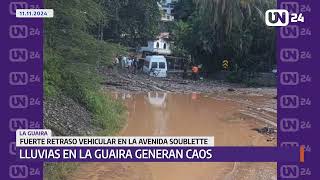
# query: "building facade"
{"type": "Point", "coordinates": [161, 45]}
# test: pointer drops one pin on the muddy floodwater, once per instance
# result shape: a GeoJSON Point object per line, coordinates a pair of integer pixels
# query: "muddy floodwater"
{"type": "Point", "coordinates": [164, 114]}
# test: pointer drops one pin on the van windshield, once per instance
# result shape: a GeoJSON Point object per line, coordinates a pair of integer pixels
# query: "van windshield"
{"type": "Point", "coordinates": [162, 65]}
{"type": "Point", "coordinates": [154, 65]}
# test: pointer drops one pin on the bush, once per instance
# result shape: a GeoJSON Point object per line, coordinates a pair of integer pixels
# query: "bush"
{"type": "Point", "coordinates": [107, 111]}
{"type": "Point", "coordinates": [78, 78]}
{"type": "Point", "coordinates": [52, 72]}
{"type": "Point", "coordinates": [235, 77]}
{"type": "Point", "coordinates": [58, 171]}
{"type": "Point", "coordinates": [82, 83]}
{"type": "Point", "coordinates": [253, 83]}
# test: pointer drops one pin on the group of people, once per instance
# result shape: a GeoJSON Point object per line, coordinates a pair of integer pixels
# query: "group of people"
{"type": "Point", "coordinates": [130, 63]}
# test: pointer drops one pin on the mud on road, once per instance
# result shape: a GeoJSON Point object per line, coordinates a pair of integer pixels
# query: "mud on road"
{"type": "Point", "coordinates": [258, 103]}
{"type": "Point", "coordinates": [235, 115]}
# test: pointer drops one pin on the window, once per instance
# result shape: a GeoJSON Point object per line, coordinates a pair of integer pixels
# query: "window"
{"type": "Point", "coordinates": [154, 65]}
{"type": "Point", "coordinates": [164, 46]}
{"type": "Point", "coordinates": [158, 45]}
{"type": "Point", "coordinates": [162, 65]}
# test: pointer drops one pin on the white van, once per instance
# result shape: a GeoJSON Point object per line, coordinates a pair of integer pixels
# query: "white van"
{"type": "Point", "coordinates": [155, 66]}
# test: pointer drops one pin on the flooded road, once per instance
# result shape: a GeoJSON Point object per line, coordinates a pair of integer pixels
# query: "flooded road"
{"type": "Point", "coordinates": [163, 114]}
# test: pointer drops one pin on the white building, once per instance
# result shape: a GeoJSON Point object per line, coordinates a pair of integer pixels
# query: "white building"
{"type": "Point", "coordinates": [160, 45]}
{"type": "Point", "coordinates": [166, 2]}
{"type": "Point", "coordinates": [167, 8]}
{"type": "Point", "coordinates": [167, 13]}
{"type": "Point", "coordinates": [167, 17]}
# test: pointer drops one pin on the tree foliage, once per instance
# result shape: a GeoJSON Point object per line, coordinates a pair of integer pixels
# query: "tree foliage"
{"type": "Point", "coordinates": [223, 29]}
{"type": "Point", "coordinates": [92, 33]}
{"type": "Point", "coordinates": [133, 22]}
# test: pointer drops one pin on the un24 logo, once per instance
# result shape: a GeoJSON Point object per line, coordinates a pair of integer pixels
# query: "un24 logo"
{"type": "Point", "coordinates": [281, 17]}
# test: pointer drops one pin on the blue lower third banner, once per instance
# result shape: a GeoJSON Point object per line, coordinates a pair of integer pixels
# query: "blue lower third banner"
{"type": "Point", "coordinates": [159, 154]}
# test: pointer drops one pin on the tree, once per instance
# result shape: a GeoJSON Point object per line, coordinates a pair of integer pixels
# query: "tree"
{"type": "Point", "coordinates": [233, 30]}
{"type": "Point", "coordinates": [224, 14]}
{"type": "Point", "coordinates": [180, 34]}
{"type": "Point", "coordinates": [133, 22]}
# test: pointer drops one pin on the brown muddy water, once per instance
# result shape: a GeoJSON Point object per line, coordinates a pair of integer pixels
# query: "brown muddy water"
{"type": "Point", "coordinates": [163, 114]}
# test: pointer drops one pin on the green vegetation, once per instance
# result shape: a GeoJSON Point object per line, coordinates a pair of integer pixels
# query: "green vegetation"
{"type": "Point", "coordinates": [80, 41]}
{"type": "Point", "coordinates": [214, 30]}
{"type": "Point", "coordinates": [133, 22]}
{"type": "Point", "coordinates": [83, 38]}
{"type": "Point", "coordinates": [74, 56]}
{"type": "Point", "coordinates": [59, 171]}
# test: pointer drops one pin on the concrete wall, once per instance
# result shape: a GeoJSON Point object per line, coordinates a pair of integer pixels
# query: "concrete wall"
{"type": "Point", "coordinates": [266, 79]}
{"type": "Point", "coordinates": [261, 79]}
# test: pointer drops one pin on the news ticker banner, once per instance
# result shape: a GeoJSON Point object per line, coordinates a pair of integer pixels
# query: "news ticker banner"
{"type": "Point", "coordinates": [22, 94]}
{"type": "Point", "coordinates": [298, 87]}
{"type": "Point", "coordinates": [35, 145]}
